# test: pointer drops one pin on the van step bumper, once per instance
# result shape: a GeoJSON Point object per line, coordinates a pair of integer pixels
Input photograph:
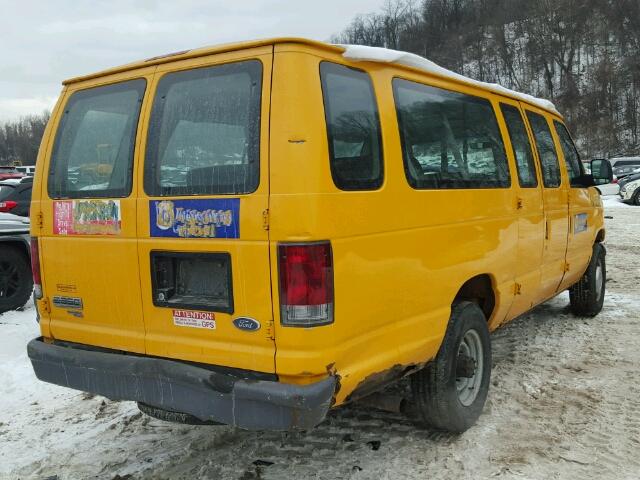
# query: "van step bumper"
{"type": "Point", "coordinates": [171, 385]}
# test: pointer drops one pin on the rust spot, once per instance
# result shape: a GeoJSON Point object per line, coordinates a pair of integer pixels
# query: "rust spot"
{"type": "Point", "coordinates": [378, 380]}
{"type": "Point", "coordinates": [331, 370]}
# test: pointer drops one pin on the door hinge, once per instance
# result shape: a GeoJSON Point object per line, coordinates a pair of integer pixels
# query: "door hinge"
{"type": "Point", "coordinates": [265, 219]}
{"type": "Point", "coordinates": [519, 203]}
{"type": "Point", "coordinates": [40, 220]}
{"type": "Point", "coordinates": [566, 267]}
{"type": "Point", "coordinates": [517, 288]}
{"type": "Point", "coordinates": [268, 328]}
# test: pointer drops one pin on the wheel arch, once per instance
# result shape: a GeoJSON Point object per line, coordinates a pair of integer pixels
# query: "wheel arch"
{"type": "Point", "coordinates": [479, 289]}
{"type": "Point", "coordinates": [18, 244]}
{"type": "Point", "coordinates": [600, 236]}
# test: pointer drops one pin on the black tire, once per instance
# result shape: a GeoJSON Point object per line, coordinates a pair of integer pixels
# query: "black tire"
{"type": "Point", "coordinates": [171, 416]}
{"type": "Point", "coordinates": [635, 200]}
{"type": "Point", "coordinates": [435, 388]}
{"type": "Point", "coordinates": [16, 280]}
{"type": "Point", "coordinates": [587, 296]}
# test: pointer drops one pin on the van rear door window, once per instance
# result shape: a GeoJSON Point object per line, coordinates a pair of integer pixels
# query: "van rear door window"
{"type": "Point", "coordinates": [204, 131]}
{"type": "Point", "coordinates": [521, 146]}
{"type": "Point", "coordinates": [546, 150]}
{"type": "Point", "coordinates": [93, 150]}
{"type": "Point", "coordinates": [449, 140]}
{"type": "Point", "coordinates": [353, 128]}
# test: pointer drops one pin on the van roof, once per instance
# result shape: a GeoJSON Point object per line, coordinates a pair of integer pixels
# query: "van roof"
{"type": "Point", "coordinates": [400, 59]}
{"type": "Point", "coordinates": [200, 52]}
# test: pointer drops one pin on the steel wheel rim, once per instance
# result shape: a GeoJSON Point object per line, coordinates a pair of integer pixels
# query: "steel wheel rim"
{"type": "Point", "coordinates": [468, 388]}
{"type": "Point", "coordinates": [599, 280]}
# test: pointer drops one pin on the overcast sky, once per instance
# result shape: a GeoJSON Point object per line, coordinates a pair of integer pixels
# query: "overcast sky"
{"type": "Point", "coordinates": [44, 42]}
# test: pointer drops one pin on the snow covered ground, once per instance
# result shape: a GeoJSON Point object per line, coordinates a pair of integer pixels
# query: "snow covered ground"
{"type": "Point", "coordinates": [564, 403]}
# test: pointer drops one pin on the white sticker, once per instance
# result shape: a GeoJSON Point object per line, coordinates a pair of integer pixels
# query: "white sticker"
{"type": "Point", "coordinates": [193, 319]}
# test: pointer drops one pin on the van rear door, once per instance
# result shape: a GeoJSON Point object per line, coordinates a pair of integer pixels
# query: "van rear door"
{"type": "Point", "coordinates": [88, 237]}
{"type": "Point", "coordinates": [204, 197]}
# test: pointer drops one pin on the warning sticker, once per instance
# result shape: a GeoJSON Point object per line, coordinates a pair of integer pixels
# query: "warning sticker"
{"type": "Point", "coordinates": [191, 318]}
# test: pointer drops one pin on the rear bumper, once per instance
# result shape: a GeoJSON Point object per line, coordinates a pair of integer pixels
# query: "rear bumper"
{"type": "Point", "coordinates": [171, 385]}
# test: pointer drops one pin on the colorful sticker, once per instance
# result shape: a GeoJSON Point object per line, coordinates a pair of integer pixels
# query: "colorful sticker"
{"type": "Point", "coordinates": [580, 223]}
{"type": "Point", "coordinates": [193, 319]}
{"type": "Point", "coordinates": [87, 217]}
{"type": "Point", "coordinates": [212, 218]}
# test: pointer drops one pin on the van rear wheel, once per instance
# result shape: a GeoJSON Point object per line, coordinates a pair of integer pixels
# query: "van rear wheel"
{"type": "Point", "coordinates": [587, 296]}
{"type": "Point", "coordinates": [450, 392]}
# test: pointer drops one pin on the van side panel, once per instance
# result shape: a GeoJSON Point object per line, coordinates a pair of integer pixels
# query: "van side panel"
{"type": "Point", "coordinates": [400, 255]}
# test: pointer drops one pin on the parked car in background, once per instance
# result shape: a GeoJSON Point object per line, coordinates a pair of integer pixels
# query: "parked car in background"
{"type": "Point", "coordinates": [630, 188]}
{"type": "Point", "coordinates": [16, 282]}
{"type": "Point", "coordinates": [15, 196]}
{"type": "Point", "coordinates": [27, 169]}
{"type": "Point", "coordinates": [9, 172]}
{"type": "Point", "coordinates": [623, 166]}
{"type": "Point", "coordinates": [635, 175]}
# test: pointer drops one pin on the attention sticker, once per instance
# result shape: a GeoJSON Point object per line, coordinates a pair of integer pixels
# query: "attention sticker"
{"type": "Point", "coordinates": [193, 319]}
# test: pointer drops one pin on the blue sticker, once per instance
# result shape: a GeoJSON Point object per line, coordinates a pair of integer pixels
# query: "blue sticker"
{"type": "Point", "coordinates": [202, 218]}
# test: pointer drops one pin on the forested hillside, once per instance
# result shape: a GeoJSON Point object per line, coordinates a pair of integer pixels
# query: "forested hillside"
{"type": "Point", "coordinates": [20, 139]}
{"type": "Point", "coordinates": [584, 55]}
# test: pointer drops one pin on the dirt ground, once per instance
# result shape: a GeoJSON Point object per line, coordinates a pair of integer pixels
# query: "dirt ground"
{"type": "Point", "coordinates": [564, 404]}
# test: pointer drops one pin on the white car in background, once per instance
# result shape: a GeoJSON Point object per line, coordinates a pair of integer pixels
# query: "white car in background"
{"type": "Point", "coordinates": [623, 166]}
{"type": "Point", "coordinates": [27, 169]}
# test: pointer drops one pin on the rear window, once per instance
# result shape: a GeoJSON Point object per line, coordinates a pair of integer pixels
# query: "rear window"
{"type": "Point", "coordinates": [353, 127]}
{"type": "Point", "coordinates": [449, 140]}
{"type": "Point", "coordinates": [93, 150]}
{"type": "Point", "coordinates": [204, 132]}
{"type": "Point", "coordinates": [6, 191]}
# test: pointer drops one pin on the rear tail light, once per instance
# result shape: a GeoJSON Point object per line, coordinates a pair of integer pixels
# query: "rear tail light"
{"type": "Point", "coordinates": [7, 206]}
{"type": "Point", "coordinates": [35, 267]}
{"type": "Point", "coordinates": [306, 284]}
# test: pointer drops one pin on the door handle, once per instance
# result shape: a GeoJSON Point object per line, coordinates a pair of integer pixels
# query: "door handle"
{"type": "Point", "coordinates": [519, 203]}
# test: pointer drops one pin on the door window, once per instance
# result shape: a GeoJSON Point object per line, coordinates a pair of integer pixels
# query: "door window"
{"type": "Point", "coordinates": [571, 156]}
{"type": "Point", "coordinates": [204, 131]}
{"type": "Point", "coordinates": [522, 152]}
{"type": "Point", "coordinates": [546, 150]}
{"type": "Point", "coordinates": [353, 127]}
{"type": "Point", "coordinates": [93, 150]}
{"type": "Point", "coordinates": [449, 140]}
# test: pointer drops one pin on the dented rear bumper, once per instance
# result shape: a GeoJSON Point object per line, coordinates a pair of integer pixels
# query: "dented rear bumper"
{"type": "Point", "coordinates": [228, 398]}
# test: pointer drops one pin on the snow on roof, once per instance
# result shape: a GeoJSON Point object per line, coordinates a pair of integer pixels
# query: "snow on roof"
{"type": "Point", "coordinates": [363, 53]}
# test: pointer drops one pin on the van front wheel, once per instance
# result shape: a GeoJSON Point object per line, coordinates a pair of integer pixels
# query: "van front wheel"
{"type": "Point", "coordinates": [450, 392]}
{"type": "Point", "coordinates": [587, 296]}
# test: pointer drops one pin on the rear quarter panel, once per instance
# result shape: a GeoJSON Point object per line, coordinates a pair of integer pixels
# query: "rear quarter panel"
{"type": "Point", "coordinates": [400, 255]}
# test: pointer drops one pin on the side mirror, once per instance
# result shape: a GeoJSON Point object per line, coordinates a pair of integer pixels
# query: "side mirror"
{"type": "Point", "coordinates": [601, 171]}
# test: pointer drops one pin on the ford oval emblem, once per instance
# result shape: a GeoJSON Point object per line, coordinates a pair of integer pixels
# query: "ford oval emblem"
{"type": "Point", "coordinates": [247, 324]}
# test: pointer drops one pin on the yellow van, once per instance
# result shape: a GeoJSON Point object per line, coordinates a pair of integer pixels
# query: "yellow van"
{"type": "Point", "coordinates": [252, 234]}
